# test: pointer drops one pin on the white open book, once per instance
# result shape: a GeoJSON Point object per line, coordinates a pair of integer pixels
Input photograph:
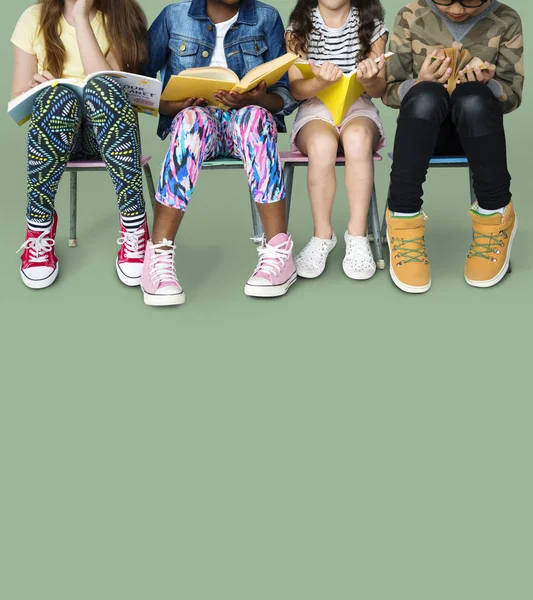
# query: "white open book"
{"type": "Point", "coordinates": [144, 93]}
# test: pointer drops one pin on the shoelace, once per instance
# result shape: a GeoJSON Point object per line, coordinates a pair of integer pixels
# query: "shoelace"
{"type": "Point", "coordinates": [272, 259]}
{"type": "Point", "coordinates": [162, 267]}
{"type": "Point", "coordinates": [39, 247]}
{"type": "Point", "coordinates": [487, 248]}
{"type": "Point", "coordinates": [410, 254]}
{"type": "Point", "coordinates": [133, 242]}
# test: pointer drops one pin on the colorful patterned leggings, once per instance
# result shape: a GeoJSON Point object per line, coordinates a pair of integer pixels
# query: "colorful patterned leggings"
{"type": "Point", "coordinates": [104, 128]}
{"type": "Point", "coordinates": [200, 134]}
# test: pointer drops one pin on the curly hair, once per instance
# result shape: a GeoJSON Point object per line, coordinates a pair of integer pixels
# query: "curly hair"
{"type": "Point", "coordinates": [301, 23]}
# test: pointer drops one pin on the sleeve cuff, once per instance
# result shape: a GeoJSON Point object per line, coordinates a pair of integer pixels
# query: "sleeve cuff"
{"type": "Point", "coordinates": [495, 88]}
{"type": "Point", "coordinates": [289, 103]}
{"type": "Point", "coordinates": [405, 87]}
{"type": "Point", "coordinates": [22, 43]}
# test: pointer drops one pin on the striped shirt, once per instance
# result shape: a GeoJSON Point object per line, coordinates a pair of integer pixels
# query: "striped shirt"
{"type": "Point", "coordinates": [339, 45]}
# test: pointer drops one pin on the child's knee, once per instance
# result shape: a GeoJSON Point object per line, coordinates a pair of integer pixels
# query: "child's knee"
{"type": "Point", "coordinates": [193, 119]}
{"type": "Point", "coordinates": [426, 100]}
{"type": "Point", "coordinates": [359, 139]}
{"type": "Point", "coordinates": [474, 102]}
{"type": "Point", "coordinates": [103, 85]}
{"type": "Point", "coordinates": [55, 96]}
{"type": "Point", "coordinates": [256, 120]}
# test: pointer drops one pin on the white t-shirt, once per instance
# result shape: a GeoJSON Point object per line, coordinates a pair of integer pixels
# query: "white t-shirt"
{"type": "Point", "coordinates": [219, 56]}
{"type": "Point", "coordinates": [339, 45]}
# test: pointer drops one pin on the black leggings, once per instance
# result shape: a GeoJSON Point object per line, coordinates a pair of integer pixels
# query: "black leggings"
{"type": "Point", "coordinates": [470, 124]}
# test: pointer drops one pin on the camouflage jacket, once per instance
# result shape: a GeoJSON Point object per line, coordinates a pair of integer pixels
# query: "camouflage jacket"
{"type": "Point", "coordinates": [497, 38]}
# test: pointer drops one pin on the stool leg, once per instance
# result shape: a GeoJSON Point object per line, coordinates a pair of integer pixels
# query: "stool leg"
{"type": "Point", "coordinates": [150, 184]}
{"type": "Point", "coordinates": [256, 223]}
{"type": "Point", "coordinates": [378, 245]}
{"type": "Point", "coordinates": [73, 242]}
{"type": "Point", "coordinates": [384, 222]}
{"type": "Point", "coordinates": [288, 178]}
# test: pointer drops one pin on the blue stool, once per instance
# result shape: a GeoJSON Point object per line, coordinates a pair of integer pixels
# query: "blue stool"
{"type": "Point", "coordinates": [436, 162]}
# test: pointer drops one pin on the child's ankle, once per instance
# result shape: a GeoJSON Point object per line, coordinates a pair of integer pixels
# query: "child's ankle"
{"type": "Point", "coordinates": [323, 232]}
{"type": "Point", "coordinates": [356, 230]}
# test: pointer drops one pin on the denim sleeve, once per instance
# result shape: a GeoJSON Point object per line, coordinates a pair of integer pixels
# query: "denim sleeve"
{"type": "Point", "coordinates": [277, 48]}
{"type": "Point", "coordinates": [158, 44]}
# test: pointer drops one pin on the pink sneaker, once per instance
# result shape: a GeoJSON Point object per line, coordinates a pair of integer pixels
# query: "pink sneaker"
{"type": "Point", "coordinates": [130, 257]}
{"type": "Point", "coordinates": [275, 271]}
{"type": "Point", "coordinates": [159, 282]}
{"type": "Point", "coordinates": [40, 265]}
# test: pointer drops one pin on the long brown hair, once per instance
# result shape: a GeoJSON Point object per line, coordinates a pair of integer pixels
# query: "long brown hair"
{"type": "Point", "coordinates": [125, 26]}
{"type": "Point", "coordinates": [301, 22]}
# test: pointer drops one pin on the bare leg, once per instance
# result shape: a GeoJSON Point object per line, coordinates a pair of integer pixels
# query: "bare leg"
{"type": "Point", "coordinates": [167, 220]}
{"type": "Point", "coordinates": [273, 217]}
{"type": "Point", "coordinates": [358, 140]}
{"type": "Point", "coordinates": [320, 142]}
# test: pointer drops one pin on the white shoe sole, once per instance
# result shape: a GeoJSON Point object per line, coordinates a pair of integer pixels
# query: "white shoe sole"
{"type": "Point", "coordinates": [163, 299]}
{"type": "Point", "coordinates": [504, 269]}
{"type": "Point", "coordinates": [358, 275]}
{"type": "Point", "coordinates": [129, 281]}
{"type": "Point", "coordinates": [313, 275]}
{"type": "Point", "coordinates": [269, 291]}
{"type": "Point", "coordinates": [408, 289]}
{"type": "Point", "coordinates": [40, 284]}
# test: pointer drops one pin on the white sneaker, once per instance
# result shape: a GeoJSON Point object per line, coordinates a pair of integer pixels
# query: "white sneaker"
{"type": "Point", "coordinates": [311, 261]}
{"type": "Point", "coordinates": [359, 261]}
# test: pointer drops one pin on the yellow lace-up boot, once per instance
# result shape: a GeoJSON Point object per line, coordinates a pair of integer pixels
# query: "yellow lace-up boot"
{"type": "Point", "coordinates": [490, 252]}
{"type": "Point", "coordinates": [409, 264]}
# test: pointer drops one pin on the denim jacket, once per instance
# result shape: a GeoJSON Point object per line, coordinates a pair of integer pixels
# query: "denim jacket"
{"type": "Point", "coordinates": [183, 37]}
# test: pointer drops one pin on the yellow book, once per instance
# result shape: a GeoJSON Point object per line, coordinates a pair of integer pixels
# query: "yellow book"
{"type": "Point", "coordinates": [459, 60]}
{"type": "Point", "coordinates": [342, 94]}
{"type": "Point", "coordinates": [205, 82]}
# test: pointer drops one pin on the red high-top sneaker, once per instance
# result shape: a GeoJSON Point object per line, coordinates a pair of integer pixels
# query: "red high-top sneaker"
{"type": "Point", "coordinates": [130, 257]}
{"type": "Point", "coordinates": [40, 265]}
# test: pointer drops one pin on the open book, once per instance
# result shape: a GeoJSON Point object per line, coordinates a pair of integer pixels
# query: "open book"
{"type": "Point", "coordinates": [205, 82]}
{"type": "Point", "coordinates": [342, 94]}
{"type": "Point", "coordinates": [459, 60]}
{"type": "Point", "coordinates": [144, 93]}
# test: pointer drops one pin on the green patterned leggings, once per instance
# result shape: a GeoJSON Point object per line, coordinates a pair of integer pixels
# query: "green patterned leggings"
{"type": "Point", "coordinates": [104, 128]}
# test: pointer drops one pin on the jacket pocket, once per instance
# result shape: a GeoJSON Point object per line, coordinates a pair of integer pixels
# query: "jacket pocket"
{"type": "Point", "coordinates": [184, 54]}
{"type": "Point", "coordinates": [252, 52]}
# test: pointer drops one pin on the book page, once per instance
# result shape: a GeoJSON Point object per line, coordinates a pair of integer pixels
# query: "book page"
{"type": "Point", "coordinates": [144, 92]}
{"type": "Point", "coordinates": [20, 108]}
{"type": "Point", "coordinates": [270, 72]}
{"type": "Point", "coordinates": [213, 73]}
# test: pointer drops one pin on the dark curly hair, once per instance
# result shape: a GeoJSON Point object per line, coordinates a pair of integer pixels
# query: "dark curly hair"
{"type": "Point", "coordinates": [301, 23]}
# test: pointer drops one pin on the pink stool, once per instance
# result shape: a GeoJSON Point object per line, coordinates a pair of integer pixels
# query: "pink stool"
{"type": "Point", "coordinates": [76, 166]}
{"type": "Point", "coordinates": [291, 160]}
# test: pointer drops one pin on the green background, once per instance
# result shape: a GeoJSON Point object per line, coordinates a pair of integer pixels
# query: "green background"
{"type": "Point", "coordinates": [346, 441]}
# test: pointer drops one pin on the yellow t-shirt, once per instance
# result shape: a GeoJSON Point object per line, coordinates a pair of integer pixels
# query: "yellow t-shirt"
{"type": "Point", "coordinates": [26, 37]}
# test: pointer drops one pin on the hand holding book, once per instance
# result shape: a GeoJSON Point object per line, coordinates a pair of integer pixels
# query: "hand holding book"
{"type": "Point", "coordinates": [369, 69]}
{"type": "Point", "coordinates": [451, 67]}
{"type": "Point", "coordinates": [477, 73]}
{"type": "Point", "coordinates": [255, 96]}
{"type": "Point", "coordinates": [435, 68]}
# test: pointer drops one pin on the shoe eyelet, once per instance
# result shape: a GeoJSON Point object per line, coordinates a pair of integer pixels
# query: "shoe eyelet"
{"type": "Point", "coordinates": [400, 264]}
{"type": "Point", "coordinates": [497, 251]}
{"type": "Point", "coordinates": [493, 259]}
